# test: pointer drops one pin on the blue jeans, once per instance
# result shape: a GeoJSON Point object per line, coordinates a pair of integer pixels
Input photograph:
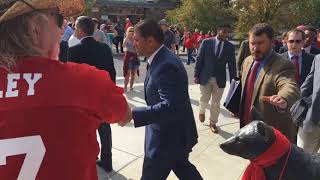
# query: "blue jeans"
{"type": "Point", "coordinates": [190, 58]}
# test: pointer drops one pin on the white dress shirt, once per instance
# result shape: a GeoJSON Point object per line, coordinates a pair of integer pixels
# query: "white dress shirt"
{"type": "Point", "coordinates": [150, 59]}
{"type": "Point", "coordinates": [73, 41]}
{"type": "Point", "coordinates": [307, 49]}
{"type": "Point", "coordinates": [216, 47]}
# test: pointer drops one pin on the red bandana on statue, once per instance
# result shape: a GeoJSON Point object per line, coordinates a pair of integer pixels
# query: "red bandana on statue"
{"type": "Point", "coordinates": [279, 148]}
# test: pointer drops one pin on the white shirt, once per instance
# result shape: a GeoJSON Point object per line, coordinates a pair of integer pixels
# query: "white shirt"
{"type": "Point", "coordinates": [307, 49]}
{"type": "Point", "coordinates": [150, 59]}
{"type": "Point", "coordinates": [73, 41]}
{"type": "Point", "coordinates": [216, 46]}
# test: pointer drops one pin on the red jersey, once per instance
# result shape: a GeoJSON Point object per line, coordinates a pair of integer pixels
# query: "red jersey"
{"type": "Point", "coordinates": [50, 112]}
{"type": "Point", "coordinates": [128, 24]}
{"type": "Point", "coordinates": [196, 35]}
{"type": "Point", "coordinates": [190, 43]}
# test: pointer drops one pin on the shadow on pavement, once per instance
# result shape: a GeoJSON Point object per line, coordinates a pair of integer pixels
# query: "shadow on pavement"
{"type": "Point", "coordinates": [224, 134]}
{"type": "Point", "coordinates": [225, 113]}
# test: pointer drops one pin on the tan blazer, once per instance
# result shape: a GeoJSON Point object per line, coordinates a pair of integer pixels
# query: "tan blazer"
{"type": "Point", "coordinates": [277, 77]}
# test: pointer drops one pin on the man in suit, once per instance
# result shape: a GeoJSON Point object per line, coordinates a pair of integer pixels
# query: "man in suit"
{"type": "Point", "coordinates": [268, 83]}
{"type": "Point", "coordinates": [97, 54]}
{"type": "Point", "coordinates": [170, 126]}
{"type": "Point", "coordinates": [300, 58]}
{"type": "Point", "coordinates": [309, 133]}
{"type": "Point", "coordinates": [210, 73]}
{"type": "Point", "coordinates": [311, 34]}
{"type": "Point", "coordinates": [243, 53]}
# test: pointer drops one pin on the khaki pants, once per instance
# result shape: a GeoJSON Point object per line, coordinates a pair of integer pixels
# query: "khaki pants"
{"type": "Point", "coordinates": [309, 141]}
{"type": "Point", "coordinates": [211, 90]}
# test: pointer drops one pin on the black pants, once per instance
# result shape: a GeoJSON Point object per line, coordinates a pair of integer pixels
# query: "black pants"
{"type": "Point", "coordinates": [106, 145]}
{"type": "Point", "coordinates": [119, 40]}
{"type": "Point", "coordinates": [159, 169]}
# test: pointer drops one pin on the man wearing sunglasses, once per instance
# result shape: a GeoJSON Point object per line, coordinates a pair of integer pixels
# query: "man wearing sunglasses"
{"type": "Point", "coordinates": [301, 59]}
{"type": "Point", "coordinates": [49, 110]}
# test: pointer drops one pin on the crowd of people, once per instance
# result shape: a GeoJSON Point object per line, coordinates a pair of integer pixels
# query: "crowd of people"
{"type": "Point", "coordinates": [59, 87]}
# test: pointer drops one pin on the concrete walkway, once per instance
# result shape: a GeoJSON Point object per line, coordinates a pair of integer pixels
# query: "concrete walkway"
{"type": "Point", "coordinates": [210, 160]}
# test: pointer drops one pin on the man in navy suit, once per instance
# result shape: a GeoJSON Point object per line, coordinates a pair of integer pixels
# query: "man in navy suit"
{"type": "Point", "coordinates": [210, 72]}
{"type": "Point", "coordinates": [301, 59]}
{"type": "Point", "coordinates": [97, 54]}
{"type": "Point", "coordinates": [170, 125]}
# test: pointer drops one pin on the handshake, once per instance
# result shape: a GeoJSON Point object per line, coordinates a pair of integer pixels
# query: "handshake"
{"type": "Point", "coordinates": [127, 118]}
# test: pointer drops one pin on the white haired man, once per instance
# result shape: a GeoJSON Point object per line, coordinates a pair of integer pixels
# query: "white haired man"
{"type": "Point", "coordinates": [49, 110]}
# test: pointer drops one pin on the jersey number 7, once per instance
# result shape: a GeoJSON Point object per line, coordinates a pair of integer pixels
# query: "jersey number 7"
{"type": "Point", "coordinates": [34, 149]}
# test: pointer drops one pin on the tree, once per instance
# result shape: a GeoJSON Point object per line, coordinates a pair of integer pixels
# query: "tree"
{"type": "Point", "coordinates": [305, 12]}
{"type": "Point", "coordinates": [274, 12]}
{"type": "Point", "coordinates": [205, 15]}
{"type": "Point", "coordinates": [89, 5]}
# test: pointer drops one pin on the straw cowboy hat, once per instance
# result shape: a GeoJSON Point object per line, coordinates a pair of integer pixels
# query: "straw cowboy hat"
{"type": "Point", "coordinates": [10, 9]}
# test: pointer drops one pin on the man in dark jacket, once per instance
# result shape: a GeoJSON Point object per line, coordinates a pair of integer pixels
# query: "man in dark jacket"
{"type": "Point", "coordinates": [301, 59]}
{"type": "Point", "coordinates": [97, 54]}
{"type": "Point", "coordinates": [210, 73]}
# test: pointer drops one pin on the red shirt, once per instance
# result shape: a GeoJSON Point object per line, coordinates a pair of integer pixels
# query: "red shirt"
{"type": "Point", "coordinates": [128, 24]}
{"type": "Point", "coordinates": [50, 112]}
{"type": "Point", "coordinates": [318, 44]}
{"type": "Point", "coordinates": [196, 35]}
{"type": "Point", "coordinates": [200, 38]}
{"type": "Point", "coordinates": [189, 43]}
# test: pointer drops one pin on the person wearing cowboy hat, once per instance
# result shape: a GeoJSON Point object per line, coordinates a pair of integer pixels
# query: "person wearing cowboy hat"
{"type": "Point", "coordinates": [49, 110]}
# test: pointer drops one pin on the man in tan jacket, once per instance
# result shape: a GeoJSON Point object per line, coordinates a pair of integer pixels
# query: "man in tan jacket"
{"type": "Point", "coordinates": [268, 83]}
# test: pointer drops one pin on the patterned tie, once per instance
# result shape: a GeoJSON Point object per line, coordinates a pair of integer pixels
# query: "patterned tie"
{"type": "Point", "coordinates": [219, 49]}
{"type": "Point", "coordinates": [249, 93]}
{"type": "Point", "coordinates": [296, 63]}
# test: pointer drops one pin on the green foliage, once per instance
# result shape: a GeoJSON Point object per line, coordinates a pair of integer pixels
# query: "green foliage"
{"type": "Point", "coordinates": [306, 12]}
{"type": "Point", "coordinates": [273, 12]}
{"type": "Point", "coordinates": [89, 5]}
{"type": "Point", "coordinates": [205, 15]}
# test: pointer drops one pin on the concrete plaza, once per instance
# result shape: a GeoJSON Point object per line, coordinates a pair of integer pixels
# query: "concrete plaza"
{"type": "Point", "coordinates": [210, 160]}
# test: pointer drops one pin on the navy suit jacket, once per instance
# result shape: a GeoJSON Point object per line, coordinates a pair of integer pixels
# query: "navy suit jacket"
{"type": "Point", "coordinates": [168, 117]}
{"type": "Point", "coordinates": [307, 60]}
{"type": "Point", "coordinates": [208, 62]}
{"type": "Point", "coordinates": [94, 53]}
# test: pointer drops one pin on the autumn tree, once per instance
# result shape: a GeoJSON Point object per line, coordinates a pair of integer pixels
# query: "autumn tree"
{"type": "Point", "coordinates": [202, 14]}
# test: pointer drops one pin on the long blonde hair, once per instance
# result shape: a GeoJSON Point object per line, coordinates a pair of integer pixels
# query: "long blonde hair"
{"type": "Point", "coordinates": [130, 29]}
{"type": "Point", "coordinates": [18, 38]}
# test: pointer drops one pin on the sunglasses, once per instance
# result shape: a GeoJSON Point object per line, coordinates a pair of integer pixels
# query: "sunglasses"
{"type": "Point", "coordinates": [295, 41]}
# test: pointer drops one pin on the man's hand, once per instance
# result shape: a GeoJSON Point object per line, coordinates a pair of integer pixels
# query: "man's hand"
{"type": "Point", "coordinates": [276, 100]}
{"type": "Point", "coordinates": [127, 118]}
{"type": "Point", "coordinates": [196, 81]}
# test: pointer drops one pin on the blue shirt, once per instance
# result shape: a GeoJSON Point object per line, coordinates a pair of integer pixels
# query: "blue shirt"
{"type": "Point", "coordinates": [67, 34]}
{"type": "Point", "coordinates": [300, 60]}
{"type": "Point", "coordinates": [262, 63]}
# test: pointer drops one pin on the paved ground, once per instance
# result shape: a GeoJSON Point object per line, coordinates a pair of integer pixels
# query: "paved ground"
{"type": "Point", "coordinates": [211, 161]}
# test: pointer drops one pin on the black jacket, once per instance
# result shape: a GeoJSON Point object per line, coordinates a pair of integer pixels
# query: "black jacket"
{"type": "Point", "coordinates": [94, 53]}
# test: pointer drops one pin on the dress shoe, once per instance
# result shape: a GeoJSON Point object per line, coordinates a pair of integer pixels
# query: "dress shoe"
{"type": "Point", "coordinates": [202, 117]}
{"type": "Point", "coordinates": [108, 169]}
{"type": "Point", "coordinates": [214, 128]}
